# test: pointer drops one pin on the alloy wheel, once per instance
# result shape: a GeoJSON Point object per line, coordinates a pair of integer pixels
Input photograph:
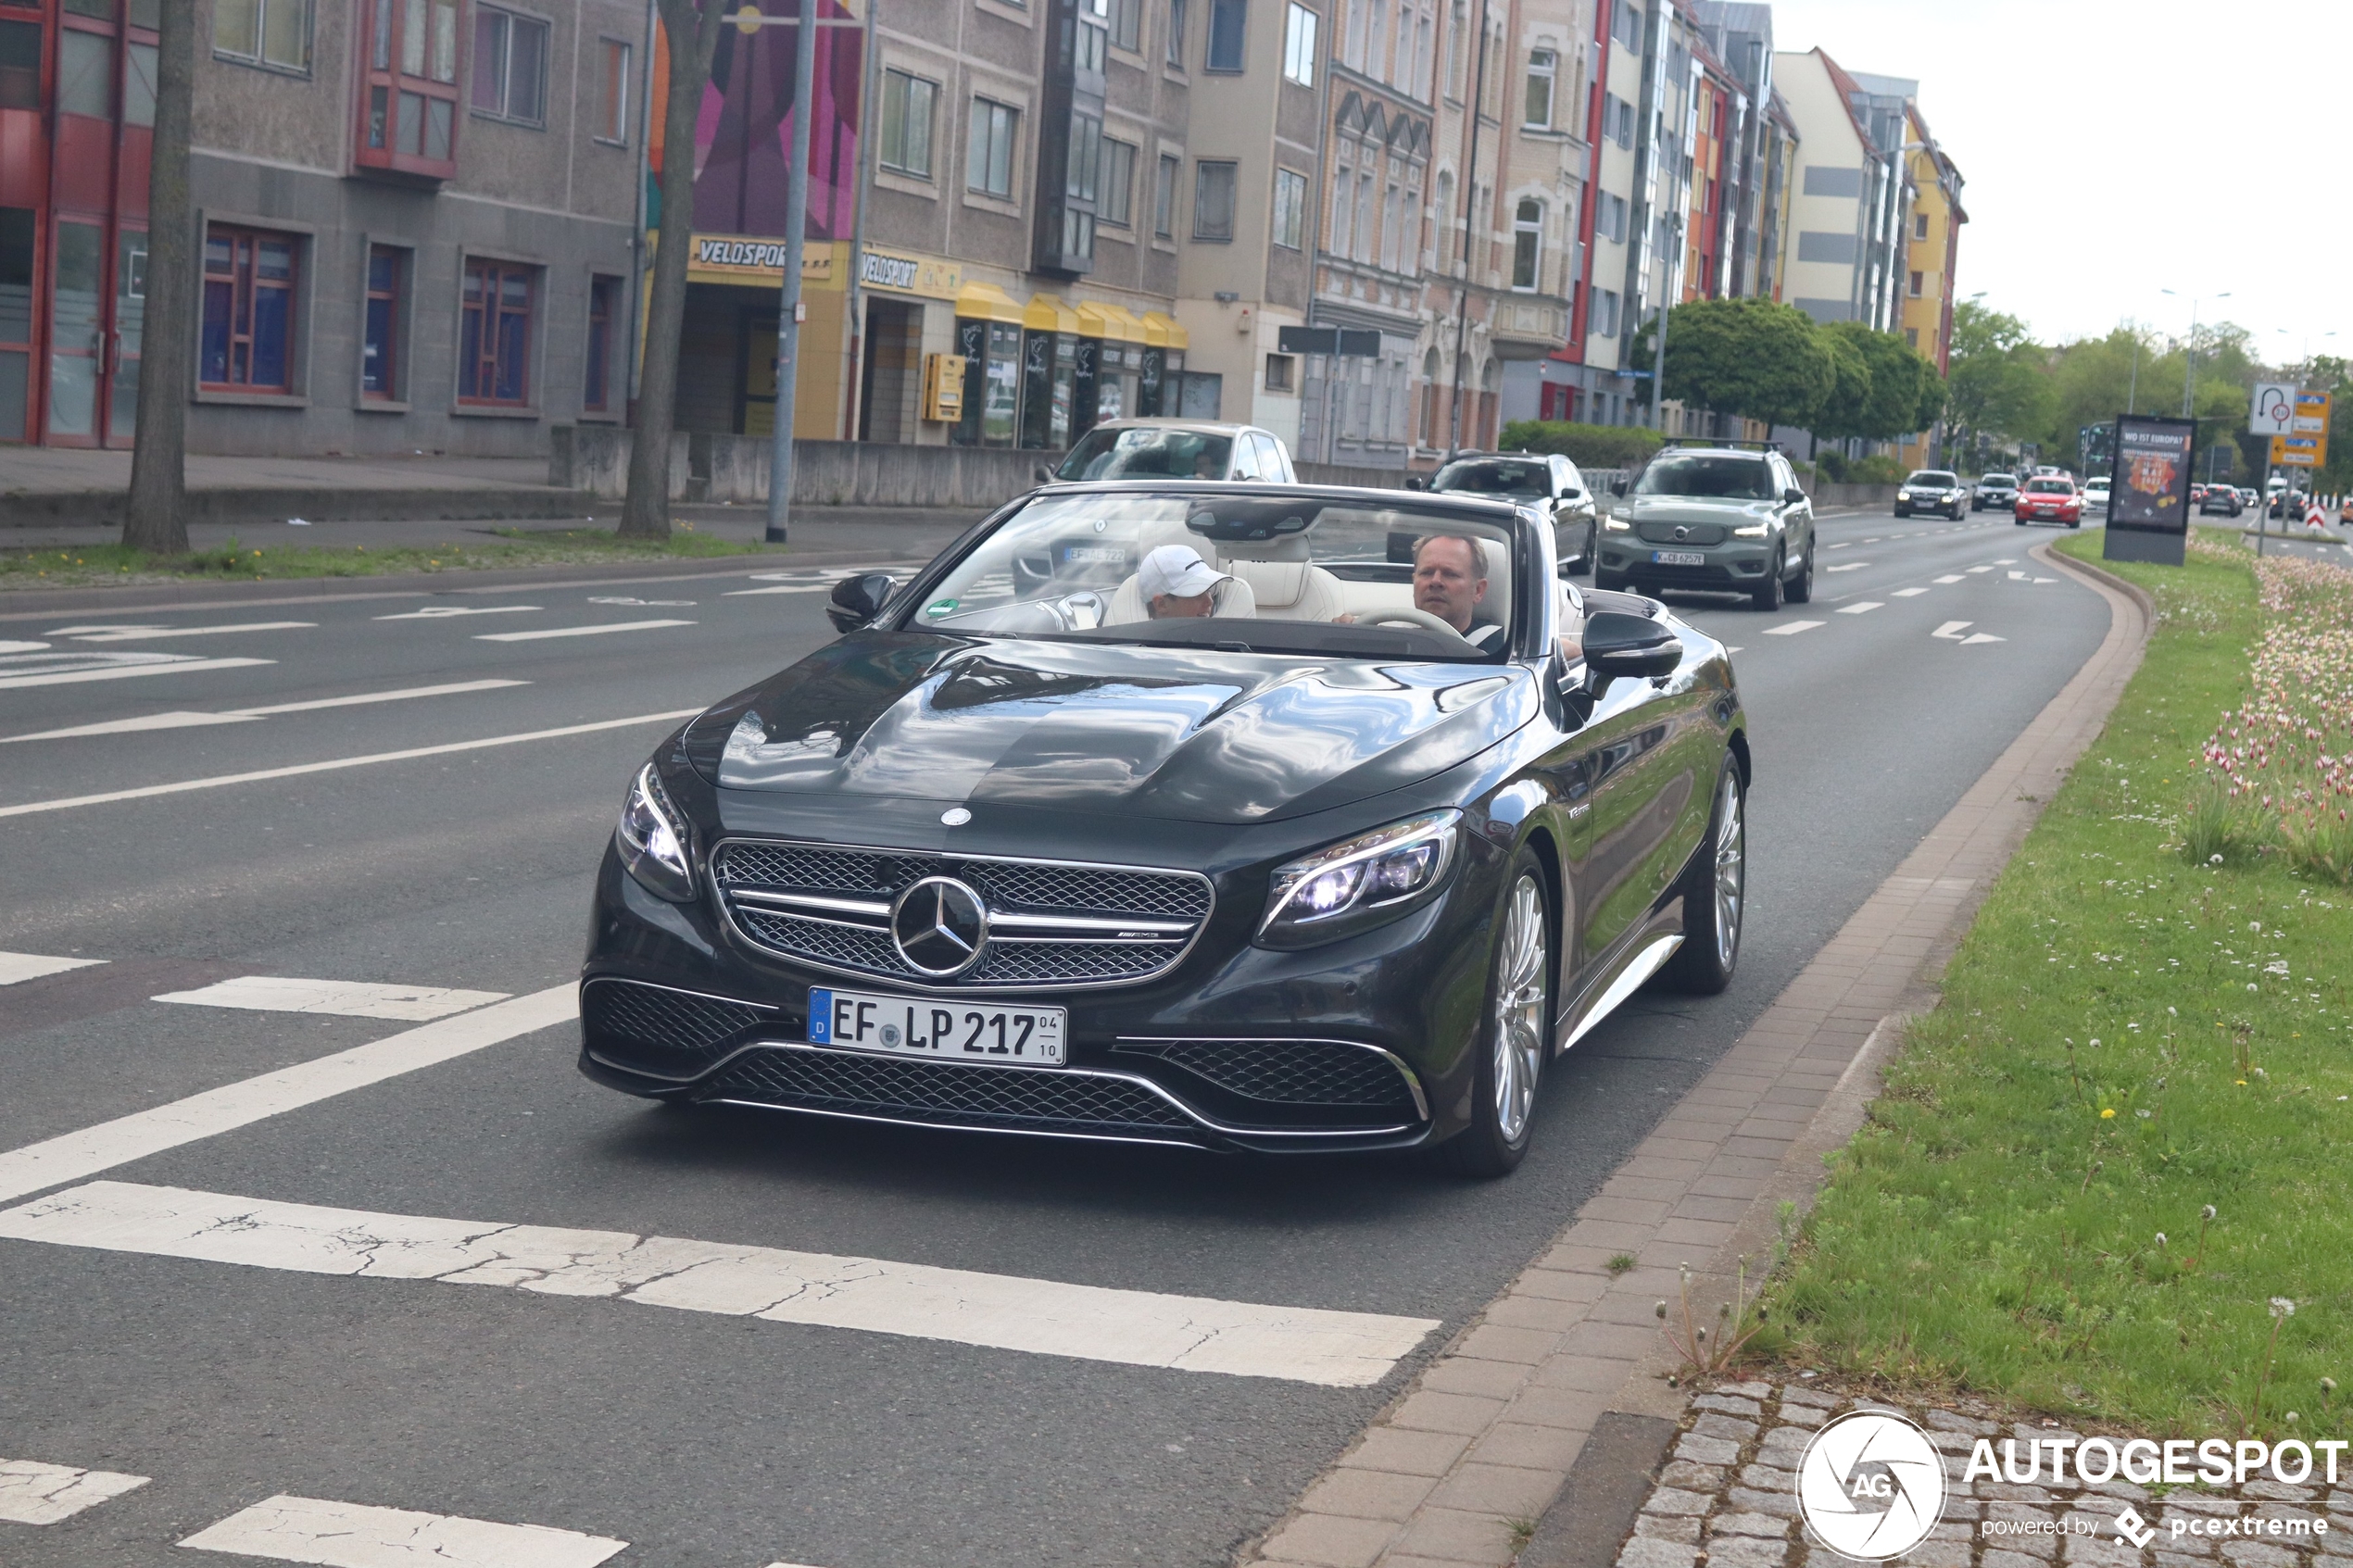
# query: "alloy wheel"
{"type": "Point", "coordinates": [1731, 867]}
{"type": "Point", "coordinates": [1519, 1030]}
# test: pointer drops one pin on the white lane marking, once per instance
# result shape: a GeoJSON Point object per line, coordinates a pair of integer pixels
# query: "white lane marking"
{"type": "Point", "coordinates": [1975, 569]}
{"type": "Point", "coordinates": [1731, 650]}
{"type": "Point", "coordinates": [1863, 606]}
{"type": "Point", "coordinates": [1846, 544]}
{"type": "Point", "coordinates": [166, 665]}
{"type": "Point", "coordinates": [1793, 628]}
{"type": "Point", "coordinates": [182, 720]}
{"type": "Point", "coordinates": [1848, 566]}
{"type": "Point", "coordinates": [21, 648]}
{"type": "Point", "coordinates": [1909, 592]}
{"type": "Point", "coordinates": [1950, 577]}
{"type": "Point", "coordinates": [15, 967]}
{"type": "Point", "coordinates": [830, 573]}
{"type": "Point", "coordinates": [1874, 539]}
{"type": "Point", "coordinates": [2006, 560]}
{"type": "Point", "coordinates": [96, 626]}
{"type": "Point", "coordinates": [356, 699]}
{"type": "Point", "coordinates": [608, 599]}
{"type": "Point", "coordinates": [146, 634]}
{"type": "Point", "coordinates": [959, 1306]}
{"type": "Point", "coordinates": [785, 588]}
{"type": "Point", "coordinates": [71, 1156]}
{"type": "Point", "coordinates": [1982, 637]}
{"type": "Point", "coordinates": [352, 999]}
{"type": "Point", "coordinates": [443, 612]}
{"type": "Point", "coordinates": [575, 631]}
{"type": "Point", "coordinates": [2045, 580]}
{"type": "Point", "coordinates": [219, 781]}
{"type": "Point", "coordinates": [1952, 629]}
{"type": "Point", "coordinates": [2015, 576]}
{"type": "Point", "coordinates": [350, 1535]}
{"type": "Point", "coordinates": [33, 1493]}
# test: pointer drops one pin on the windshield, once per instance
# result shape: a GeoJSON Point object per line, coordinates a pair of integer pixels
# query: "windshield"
{"type": "Point", "coordinates": [2050, 487]}
{"type": "Point", "coordinates": [1999, 479]}
{"type": "Point", "coordinates": [1149, 451]}
{"type": "Point", "coordinates": [1243, 573]}
{"type": "Point", "coordinates": [1489, 477]}
{"type": "Point", "coordinates": [1931, 477]}
{"type": "Point", "coordinates": [1718, 475]}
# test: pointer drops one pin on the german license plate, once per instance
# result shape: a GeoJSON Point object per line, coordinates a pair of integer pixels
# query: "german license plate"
{"type": "Point", "coordinates": [941, 1031]}
{"type": "Point", "coordinates": [1678, 557]}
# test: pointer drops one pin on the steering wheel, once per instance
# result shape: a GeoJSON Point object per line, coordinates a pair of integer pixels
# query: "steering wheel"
{"type": "Point", "coordinates": [1421, 620]}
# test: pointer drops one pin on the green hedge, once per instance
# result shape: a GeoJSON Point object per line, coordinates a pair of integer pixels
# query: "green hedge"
{"type": "Point", "coordinates": [1593, 446]}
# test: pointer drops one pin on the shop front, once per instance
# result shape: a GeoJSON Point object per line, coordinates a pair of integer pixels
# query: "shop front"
{"type": "Point", "coordinates": [1042, 374]}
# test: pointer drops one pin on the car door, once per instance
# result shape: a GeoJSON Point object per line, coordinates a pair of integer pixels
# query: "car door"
{"type": "Point", "coordinates": [1797, 517]}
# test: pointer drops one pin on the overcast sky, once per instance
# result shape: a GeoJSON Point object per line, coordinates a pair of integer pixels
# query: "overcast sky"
{"type": "Point", "coordinates": [2113, 148]}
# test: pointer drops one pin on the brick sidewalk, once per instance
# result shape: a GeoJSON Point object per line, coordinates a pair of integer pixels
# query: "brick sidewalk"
{"type": "Point", "coordinates": [1457, 1473]}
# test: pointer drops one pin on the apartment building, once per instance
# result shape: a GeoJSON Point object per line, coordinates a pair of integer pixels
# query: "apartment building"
{"type": "Point", "coordinates": [1933, 244]}
{"type": "Point", "coordinates": [1854, 189]}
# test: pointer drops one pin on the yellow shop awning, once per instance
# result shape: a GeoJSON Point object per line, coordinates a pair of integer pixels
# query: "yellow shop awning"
{"type": "Point", "coordinates": [987, 302]}
{"type": "Point", "coordinates": [1161, 332]}
{"type": "Point", "coordinates": [1049, 313]}
{"type": "Point", "coordinates": [1113, 323]}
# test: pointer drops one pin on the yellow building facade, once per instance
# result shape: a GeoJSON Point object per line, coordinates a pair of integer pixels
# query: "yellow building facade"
{"type": "Point", "coordinates": [1933, 240]}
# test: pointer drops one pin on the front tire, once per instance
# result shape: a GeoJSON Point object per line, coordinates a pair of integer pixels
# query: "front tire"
{"type": "Point", "coordinates": [1767, 595]}
{"type": "Point", "coordinates": [1802, 591]}
{"type": "Point", "coordinates": [1515, 1036]}
{"type": "Point", "coordinates": [1714, 891]}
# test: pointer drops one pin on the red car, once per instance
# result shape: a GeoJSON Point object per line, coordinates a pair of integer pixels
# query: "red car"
{"type": "Point", "coordinates": [2050, 500]}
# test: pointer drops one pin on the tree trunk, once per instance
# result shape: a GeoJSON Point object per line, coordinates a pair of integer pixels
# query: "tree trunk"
{"type": "Point", "coordinates": [155, 519]}
{"type": "Point", "coordinates": [693, 37]}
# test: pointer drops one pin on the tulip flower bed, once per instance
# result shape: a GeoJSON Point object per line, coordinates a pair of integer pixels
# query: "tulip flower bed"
{"type": "Point", "coordinates": [2107, 1177]}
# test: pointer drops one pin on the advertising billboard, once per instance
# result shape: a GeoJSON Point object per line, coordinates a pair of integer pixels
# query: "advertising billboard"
{"type": "Point", "coordinates": [2148, 508]}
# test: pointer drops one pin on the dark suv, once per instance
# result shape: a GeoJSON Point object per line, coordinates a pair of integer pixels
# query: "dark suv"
{"type": "Point", "coordinates": [1546, 480]}
{"type": "Point", "coordinates": [1716, 520]}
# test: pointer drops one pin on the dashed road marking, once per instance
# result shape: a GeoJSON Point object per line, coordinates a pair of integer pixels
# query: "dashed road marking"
{"type": "Point", "coordinates": [147, 633]}
{"type": "Point", "coordinates": [1862, 607]}
{"type": "Point", "coordinates": [598, 631]}
{"type": "Point", "coordinates": [349, 998]}
{"type": "Point", "coordinates": [1952, 629]}
{"type": "Point", "coordinates": [175, 721]}
{"type": "Point", "coordinates": [16, 967]}
{"type": "Point", "coordinates": [1951, 577]}
{"type": "Point", "coordinates": [122, 665]}
{"type": "Point", "coordinates": [1848, 566]}
{"type": "Point", "coordinates": [13, 646]}
{"type": "Point", "coordinates": [443, 612]}
{"type": "Point", "coordinates": [350, 1535]}
{"type": "Point", "coordinates": [1340, 1349]}
{"type": "Point", "coordinates": [781, 588]}
{"type": "Point", "coordinates": [1975, 569]}
{"type": "Point", "coordinates": [1909, 592]}
{"type": "Point", "coordinates": [1793, 628]}
{"type": "Point", "coordinates": [33, 1493]}
{"type": "Point", "coordinates": [188, 720]}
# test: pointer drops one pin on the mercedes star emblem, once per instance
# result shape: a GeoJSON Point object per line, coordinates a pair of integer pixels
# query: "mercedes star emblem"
{"type": "Point", "coordinates": [939, 926]}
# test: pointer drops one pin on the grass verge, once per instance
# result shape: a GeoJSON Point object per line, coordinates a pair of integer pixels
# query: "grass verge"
{"type": "Point", "coordinates": [2123, 1136]}
{"type": "Point", "coordinates": [51, 567]}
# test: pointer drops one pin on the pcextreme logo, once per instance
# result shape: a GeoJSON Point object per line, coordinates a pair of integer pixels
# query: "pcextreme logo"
{"type": "Point", "coordinates": [1871, 1485]}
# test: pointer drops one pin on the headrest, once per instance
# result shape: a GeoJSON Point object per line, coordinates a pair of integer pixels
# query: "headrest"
{"type": "Point", "coordinates": [1290, 546]}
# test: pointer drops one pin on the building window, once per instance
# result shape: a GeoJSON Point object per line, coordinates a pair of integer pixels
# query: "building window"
{"type": "Point", "coordinates": [1299, 45]}
{"type": "Point", "coordinates": [1177, 34]}
{"type": "Point", "coordinates": [1604, 314]}
{"type": "Point", "coordinates": [1164, 199]}
{"type": "Point", "coordinates": [511, 66]}
{"type": "Point", "coordinates": [275, 33]}
{"type": "Point", "coordinates": [1543, 65]}
{"type": "Point", "coordinates": [1919, 225]}
{"type": "Point", "coordinates": [612, 92]}
{"type": "Point", "coordinates": [85, 74]}
{"type": "Point", "coordinates": [1917, 278]}
{"type": "Point", "coordinates": [596, 381]}
{"type": "Point", "coordinates": [1128, 24]}
{"type": "Point", "coordinates": [1280, 370]}
{"type": "Point", "coordinates": [1214, 199]}
{"type": "Point", "coordinates": [1445, 220]}
{"type": "Point", "coordinates": [906, 123]}
{"type": "Point", "coordinates": [494, 336]}
{"type": "Point", "coordinates": [408, 108]}
{"type": "Point", "coordinates": [1912, 336]}
{"type": "Point", "coordinates": [988, 149]}
{"type": "Point", "coordinates": [1528, 232]}
{"type": "Point", "coordinates": [1457, 58]}
{"type": "Point", "coordinates": [1291, 209]}
{"type": "Point", "coordinates": [249, 278]}
{"type": "Point", "coordinates": [1226, 30]}
{"type": "Point", "coordinates": [1626, 26]}
{"type": "Point", "coordinates": [1116, 204]}
{"type": "Point", "coordinates": [380, 341]}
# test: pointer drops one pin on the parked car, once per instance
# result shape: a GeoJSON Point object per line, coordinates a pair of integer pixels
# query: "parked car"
{"type": "Point", "coordinates": [1994, 490]}
{"type": "Point", "coordinates": [1548, 481]}
{"type": "Point", "coordinates": [1028, 858]}
{"type": "Point", "coordinates": [2095, 494]}
{"type": "Point", "coordinates": [2049, 498]}
{"type": "Point", "coordinates": [2220, 500]}
{"type": "Point", "coordinates": [1713, 520]}
{"type": "Point", "coordinates": [1176, 449]}
{"type": "Point", "coordinates": [1932, 490]}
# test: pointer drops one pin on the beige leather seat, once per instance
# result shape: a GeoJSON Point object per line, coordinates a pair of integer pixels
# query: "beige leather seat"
{"type": "Point", "coordinates": [1285, 580]}
{"type": "Point", "coordinates": [1232, 601]}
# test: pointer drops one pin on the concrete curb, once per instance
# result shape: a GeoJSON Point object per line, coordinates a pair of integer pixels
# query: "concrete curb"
{"type": "Point", "coordinates": [1460, 1469]}
{"type": "Point", "coordinates": [50, 508]}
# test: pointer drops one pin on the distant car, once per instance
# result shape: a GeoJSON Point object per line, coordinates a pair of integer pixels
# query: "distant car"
{"type": "Point", "coordinates": [1549, 480]}
{"type": "Point", "coordinates": [1932, 490]}
{"type": "Point", "coordinates": [2220, 500]}
{"type": "Point", "coordinates": [2096, 495]}
{"type": "Point", "coordinates": [1176, 449]}
{"type": "Point", "coordinates": [2289, 504]}
{"type": "Point", "coordinates": [2049, 498]}
{"type": "Point", "coordinates": [2247, 497]}
{"type": "Point", "coordinates": [1994, 490]}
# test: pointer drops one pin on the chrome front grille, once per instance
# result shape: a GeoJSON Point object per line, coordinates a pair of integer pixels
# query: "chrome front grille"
{"type": "Point", "coordinates": [1051, 922]}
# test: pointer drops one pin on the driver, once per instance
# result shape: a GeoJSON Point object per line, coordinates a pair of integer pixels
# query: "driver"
{"type": "Point", "coordinates": [1450, 578]}
{"type": "Point", "coordinates": [1176, 584]}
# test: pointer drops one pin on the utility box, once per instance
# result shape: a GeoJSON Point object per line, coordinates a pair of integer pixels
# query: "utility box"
{"type": "Point", "coordinates": [944, 387]}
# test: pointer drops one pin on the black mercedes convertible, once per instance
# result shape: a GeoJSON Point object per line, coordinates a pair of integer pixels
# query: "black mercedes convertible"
{"type": "Point", "coordinates": [1242, 816]}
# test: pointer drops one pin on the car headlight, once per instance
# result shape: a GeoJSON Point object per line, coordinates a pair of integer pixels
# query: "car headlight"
{"type": "Point", "coordinates": [654, 836]}
{"type": "Point", "coordinates": [1751, 530]}
{"type": "Point", "coordinates": [1616, 525]}
{"type": "Point", "coordinates": [1359, 882]}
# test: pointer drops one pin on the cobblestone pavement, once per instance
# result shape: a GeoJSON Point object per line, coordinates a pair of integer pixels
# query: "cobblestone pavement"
{"type": "Point", "coordinates": [1727, 1498]}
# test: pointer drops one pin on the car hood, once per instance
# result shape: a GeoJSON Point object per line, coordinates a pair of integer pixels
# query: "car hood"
{"type": "Point", "coordinates": [1192, 735]}
{"type": "Point", "coordinates": [1697, 508]}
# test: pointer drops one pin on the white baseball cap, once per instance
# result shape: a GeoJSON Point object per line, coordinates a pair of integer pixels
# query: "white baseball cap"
{"type": "Point", "coordinates": [1177, 571]}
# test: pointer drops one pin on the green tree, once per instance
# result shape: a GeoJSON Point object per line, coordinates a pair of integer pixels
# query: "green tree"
{"type": "Point", "coordinates": [1995, 385]}
{"type": "Point", "coordinates": [1847, 408]}
{"type": "Point", "coordinates": [1891, 405]}
{"type": "Point", "coordinates": [1751, 357]}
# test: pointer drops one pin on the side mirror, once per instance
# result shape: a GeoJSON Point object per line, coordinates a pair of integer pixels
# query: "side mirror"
{"type": "Point", "coordinates": [1045, 474]}
{"type": "Point", "coordinates": [1415, 481]}
{"type": "Point", "coordinates": [857, 600]}
{"type": "Point", "coordinates": [1792, 497]}
{"type": "Point", "coordinates": [1618, 487]}
{"type": "Point", "coordinates": [1570, 493]}
{"type": "Point", "coordinates": [1619, 643]}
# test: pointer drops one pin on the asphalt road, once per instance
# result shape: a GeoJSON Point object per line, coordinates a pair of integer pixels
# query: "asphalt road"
{"type": "Point", "coordinates": [709, 1439]}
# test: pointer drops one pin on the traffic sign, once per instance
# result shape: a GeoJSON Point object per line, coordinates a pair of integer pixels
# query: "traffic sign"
{"type": "Point", "coordinates": [2299, 451]}
{"type": "Point", "coordinates": [2273, 410]}
{"type": "Point", "coordinates": [2313, 414]}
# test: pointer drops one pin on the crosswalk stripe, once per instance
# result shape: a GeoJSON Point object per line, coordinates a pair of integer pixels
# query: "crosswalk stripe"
{"type": "Point", "coordinates": [1862, 607]}
{"type": "Point", "coordinates": [165, 664]}
{"type": "Point", "coordinates": [33, 1493]}
{"type": "Point", "coordinates": [350, 998]}
{"type": "Point", "coordinates": [1794, 628]}
{"type": "Point", "coordinates": [15, 967]}
{"type": "Point", "coordinates": [71, 1156]}
{"type": "Point", "coordinates": [1001, 1312]}
{"type": "Point", "coordinates": [350, 1535]}
{"type": "Point", "coordinates": [147, 633]}
{"type": "Point", "coordinates": [545, 631]}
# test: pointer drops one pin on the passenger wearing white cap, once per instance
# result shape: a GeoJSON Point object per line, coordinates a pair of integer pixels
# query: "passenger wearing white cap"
{"type": "Point", "coordinates": [1175, 583]}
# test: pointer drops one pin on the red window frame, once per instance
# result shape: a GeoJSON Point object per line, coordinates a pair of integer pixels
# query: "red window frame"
{"type": "Point", "coordinates": [597, 361]}
{"type": "Point", "coordinates": [493, 335]}
{"type": "Point", "coordinates": [393, 98]}
{"type": "Point", "coordinates": [236, 275]}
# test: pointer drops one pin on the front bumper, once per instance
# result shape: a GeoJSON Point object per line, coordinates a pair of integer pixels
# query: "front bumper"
{"type": "Point", "coordinates": [1728, 568]}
